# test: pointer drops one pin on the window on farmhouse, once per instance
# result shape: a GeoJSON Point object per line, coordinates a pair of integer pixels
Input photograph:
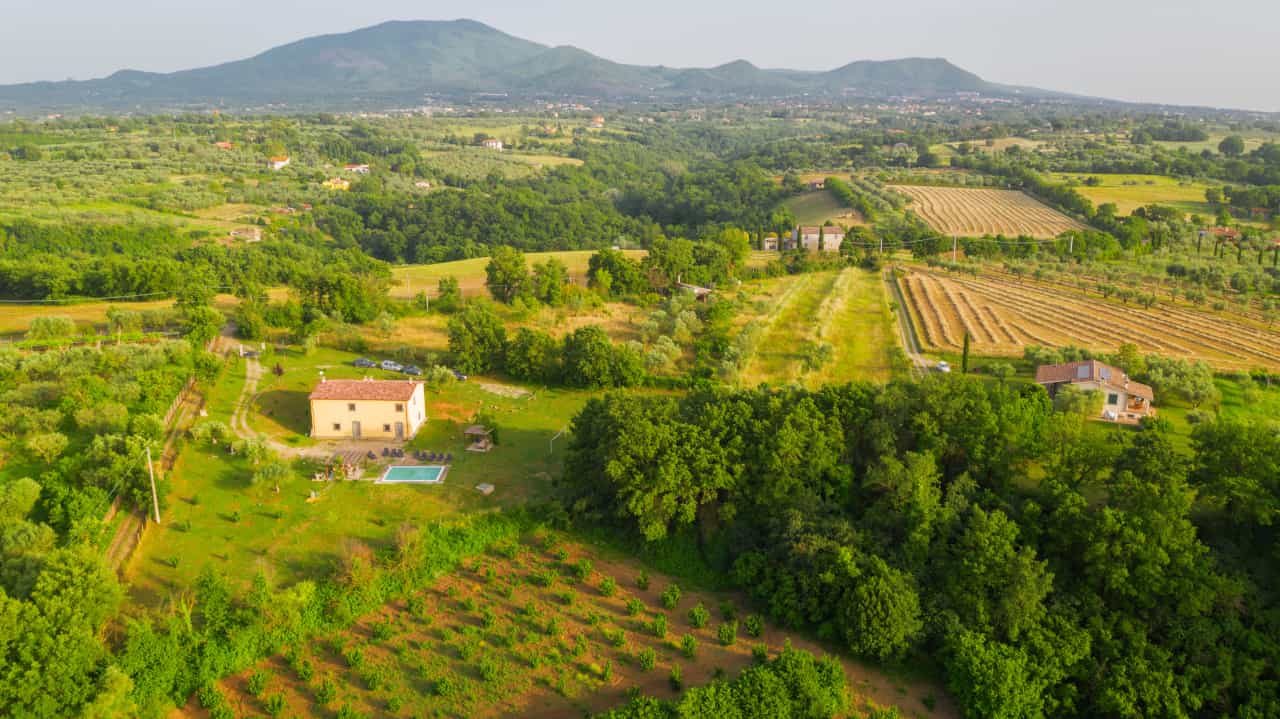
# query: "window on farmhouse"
{"type": "Point", "coordinates": [1113, 398]}
{"type": "Point", "coordinates": [386, 428]}
{"type": "Point", "coordinates": [351, 407]}
{"type": "Point", "coordinates": [336, 426]}
{"type": "Point", "coordinates": [399, 408]}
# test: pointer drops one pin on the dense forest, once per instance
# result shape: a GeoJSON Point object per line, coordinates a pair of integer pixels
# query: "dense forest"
{"type": "Point", "coordinates": [1055, 570]}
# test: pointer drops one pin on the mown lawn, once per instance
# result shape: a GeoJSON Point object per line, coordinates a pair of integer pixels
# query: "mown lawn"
{"type": "Point", "coordinates": [214, 514]}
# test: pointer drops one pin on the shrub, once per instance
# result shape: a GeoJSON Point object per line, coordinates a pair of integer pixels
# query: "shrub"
{"type": "Point", "coordinates": [615, 636]}
{"type": "Point", "coordinates": [327, 691]}
{"type": "Point", "coordinates": [275, 704]}
{"type": "Point", "coordinates": [560, 553]}
{"type": "Point", "coordinates": [647, 659]}
{"type": "Point", "coordinates": [543, 578]}
{"type": "Point", "coordinates": [445, 687]}
{"type": "Point", "coordinates": [353, 656]}
{"type": "Point", "coordinates": [469, 604]}
{"type": "Point", "coordinates": [394, 704]}
{"type": "Point", "coordinates": [689, 646]}
{"type": "Point", "coordinates": [728, 610]}
{"type": "Point", "coordinates": [582, 569]}
{"type": "Point", "coordinates": [608, 587]}
{"type": "Point", "coordinates": [487, 618]}
{"type": "Point", "coordinates": [699, 616]}
{"type": "Point", "coordinates": [659, 626]}
{"type": "Point", "coordinates": [642, 580]}
{"type": "Point", "coordinates": [676, 678]}
{"type": "Point", "coordinates": [488, 670]}
{"type": "Point", "coordinates": [634, 607]}
{"type": "Point", "coordinates": [671, 596]}
{"type": "Point", "coordinates": [382, 631]}
{"type": "Point", "coordinates": [304, 669]}
{"type": "Point", "coordinates": [755, 625]}
{"type": "Point", "coordinates": [760, 653]}
{"type": "Point", "coordinates": [566, 597]}
{"type": "Point", "coordinates": [727, 633]}
{"type": "Point", "coordinates": [257, 682]}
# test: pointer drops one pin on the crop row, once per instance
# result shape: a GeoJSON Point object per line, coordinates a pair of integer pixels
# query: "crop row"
{"type": "Point", "coordinates": [1214, 335]}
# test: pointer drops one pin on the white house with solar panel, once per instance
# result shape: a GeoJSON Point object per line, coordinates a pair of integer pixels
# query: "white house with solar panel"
{"type": "Point", "coordinates": [1124, 400]}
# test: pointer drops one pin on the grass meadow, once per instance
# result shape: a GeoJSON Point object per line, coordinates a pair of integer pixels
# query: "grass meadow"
{"type": "Point", "coordinates": [1129, 192]}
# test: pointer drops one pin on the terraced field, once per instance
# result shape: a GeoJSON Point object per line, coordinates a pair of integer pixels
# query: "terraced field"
{"type": "Point", "coordinates": [973, 212]}
{"type": "Point", "coordinates": [1002, 316]}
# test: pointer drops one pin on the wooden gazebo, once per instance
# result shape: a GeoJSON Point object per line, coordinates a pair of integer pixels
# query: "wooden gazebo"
{"type": "Point", "coordinates": [480, 438]}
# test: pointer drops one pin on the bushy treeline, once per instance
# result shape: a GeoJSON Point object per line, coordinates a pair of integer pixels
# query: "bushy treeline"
{"type": "Point", "coordinates": [82, 418]}
{"type": "Point", "coordinates": [793, 685]}
{"type": "Point", "coordinates": [1055, 571]}
{"type": "Point", "coordinates": [48, 261]}
{"type": "Point", "coordinates": [585, 358]}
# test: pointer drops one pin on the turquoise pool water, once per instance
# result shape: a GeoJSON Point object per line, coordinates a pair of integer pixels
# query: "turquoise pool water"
{"type": "Point", "coordinates": [413, 474]}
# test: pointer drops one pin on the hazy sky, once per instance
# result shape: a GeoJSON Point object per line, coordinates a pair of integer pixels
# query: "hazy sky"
{"type": "Point", "coordinates": [1222, 53]}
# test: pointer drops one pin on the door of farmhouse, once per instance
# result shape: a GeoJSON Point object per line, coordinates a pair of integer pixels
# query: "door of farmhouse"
{"type": "Point", "coordinates": [399, 430]}
{"type": "Point", "coordinates": [355, 430]}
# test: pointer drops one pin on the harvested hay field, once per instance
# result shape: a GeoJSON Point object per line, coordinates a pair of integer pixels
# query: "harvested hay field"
{"type": "Point", "coordinates": [1002, 316]}
{"type": "Point", "coordinates": [973, 212]}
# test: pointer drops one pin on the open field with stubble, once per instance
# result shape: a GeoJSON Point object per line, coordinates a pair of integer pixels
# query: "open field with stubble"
{"type": "Point", "coordinates": [973, 212]}
{"type": "Point", "coordinates": [1004, 315]}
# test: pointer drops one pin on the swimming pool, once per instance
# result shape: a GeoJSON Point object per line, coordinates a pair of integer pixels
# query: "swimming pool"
{"type": "Point", "coordinates": [413, 474]}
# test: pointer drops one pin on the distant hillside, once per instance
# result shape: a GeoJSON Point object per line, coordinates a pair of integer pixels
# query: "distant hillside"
{"type": "Point", "coordinates": [402, 61]}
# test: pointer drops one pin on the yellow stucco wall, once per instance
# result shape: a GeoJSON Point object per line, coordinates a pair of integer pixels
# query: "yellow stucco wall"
{"type": "Point", "coordinates": [377, 418]}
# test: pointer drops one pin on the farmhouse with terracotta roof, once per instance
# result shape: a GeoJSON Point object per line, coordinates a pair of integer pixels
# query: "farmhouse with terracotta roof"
{"type": "Point", "coordinates": [367, 409]}
{"type": "Point", "coordinates": [279, 163]}
{"type": "Point", "coordinates": [1124, 400]}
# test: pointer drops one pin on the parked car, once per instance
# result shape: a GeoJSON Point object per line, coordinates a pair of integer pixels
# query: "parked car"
{"type": "Point", "coordinates": [391, 366]}
{"type": "Point", "coordinates": [364, 362]}
{"type": "Point", "coordinates": [943, 366]}
{"type": "Point", "coordinates": [412, 370]}
{"type": "Point", "coordinates": [459, 376]}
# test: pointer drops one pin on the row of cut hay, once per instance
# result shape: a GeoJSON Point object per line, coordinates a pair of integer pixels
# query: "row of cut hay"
{"type": "Point", "coordinates": [944, 328]}
{"type": "Point", "coordinates": [929, 337]}
{"type": "Point", "coordinates": [1211, 336]}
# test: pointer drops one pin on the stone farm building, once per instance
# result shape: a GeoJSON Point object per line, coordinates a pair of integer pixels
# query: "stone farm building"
{"type": "Point", "coordinates": [367, 409]}
{"type": "Point", "coordinates": [813, 239]}
{"type": "Point", "coordinates": [1124, 400]}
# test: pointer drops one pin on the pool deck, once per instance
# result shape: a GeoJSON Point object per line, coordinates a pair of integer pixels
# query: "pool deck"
{"type": "Point", "coordinates": [382, 479]}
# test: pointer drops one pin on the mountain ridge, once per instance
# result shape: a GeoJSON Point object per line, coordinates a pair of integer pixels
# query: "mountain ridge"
{"type": "Point", "coordinates": [404, 60]}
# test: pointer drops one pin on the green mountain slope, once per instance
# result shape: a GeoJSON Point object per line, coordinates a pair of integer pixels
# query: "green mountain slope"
{"type": "Point", "coordinates": [402, 61]}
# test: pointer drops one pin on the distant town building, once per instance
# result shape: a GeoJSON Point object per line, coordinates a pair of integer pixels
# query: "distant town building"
{"type": "Point", "coordinates": [279, 163]}
{"type": "Point", "coordinates": [358, 168]}
{"type": "Point", "coordinates": [422, 185]}
{"type": "Point", "coordinates": [337, 184]}
{"type": "Point", "coordinates": [492, 144]}
{"type": "Point", "coordinates": [769, 243]}
{"type": "Point", "coordinates": [224, 145]}
{"type": "Point", "coordinates": [597, 122]}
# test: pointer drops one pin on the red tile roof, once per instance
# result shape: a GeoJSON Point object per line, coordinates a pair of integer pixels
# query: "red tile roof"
{"type": "Point", "coordinates": [1092, 371]}
{"type": "Point", "coordinates": [391, 390]}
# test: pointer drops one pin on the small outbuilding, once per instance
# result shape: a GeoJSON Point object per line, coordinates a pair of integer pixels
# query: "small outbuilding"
{"type": "Point", "coordinates": [480, 438]}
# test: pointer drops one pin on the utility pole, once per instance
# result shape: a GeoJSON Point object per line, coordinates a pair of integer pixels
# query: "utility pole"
{"type": "Point", "coordinates": [155, 499]}
{"type": "Point", "coordinates": [1071, 245]}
